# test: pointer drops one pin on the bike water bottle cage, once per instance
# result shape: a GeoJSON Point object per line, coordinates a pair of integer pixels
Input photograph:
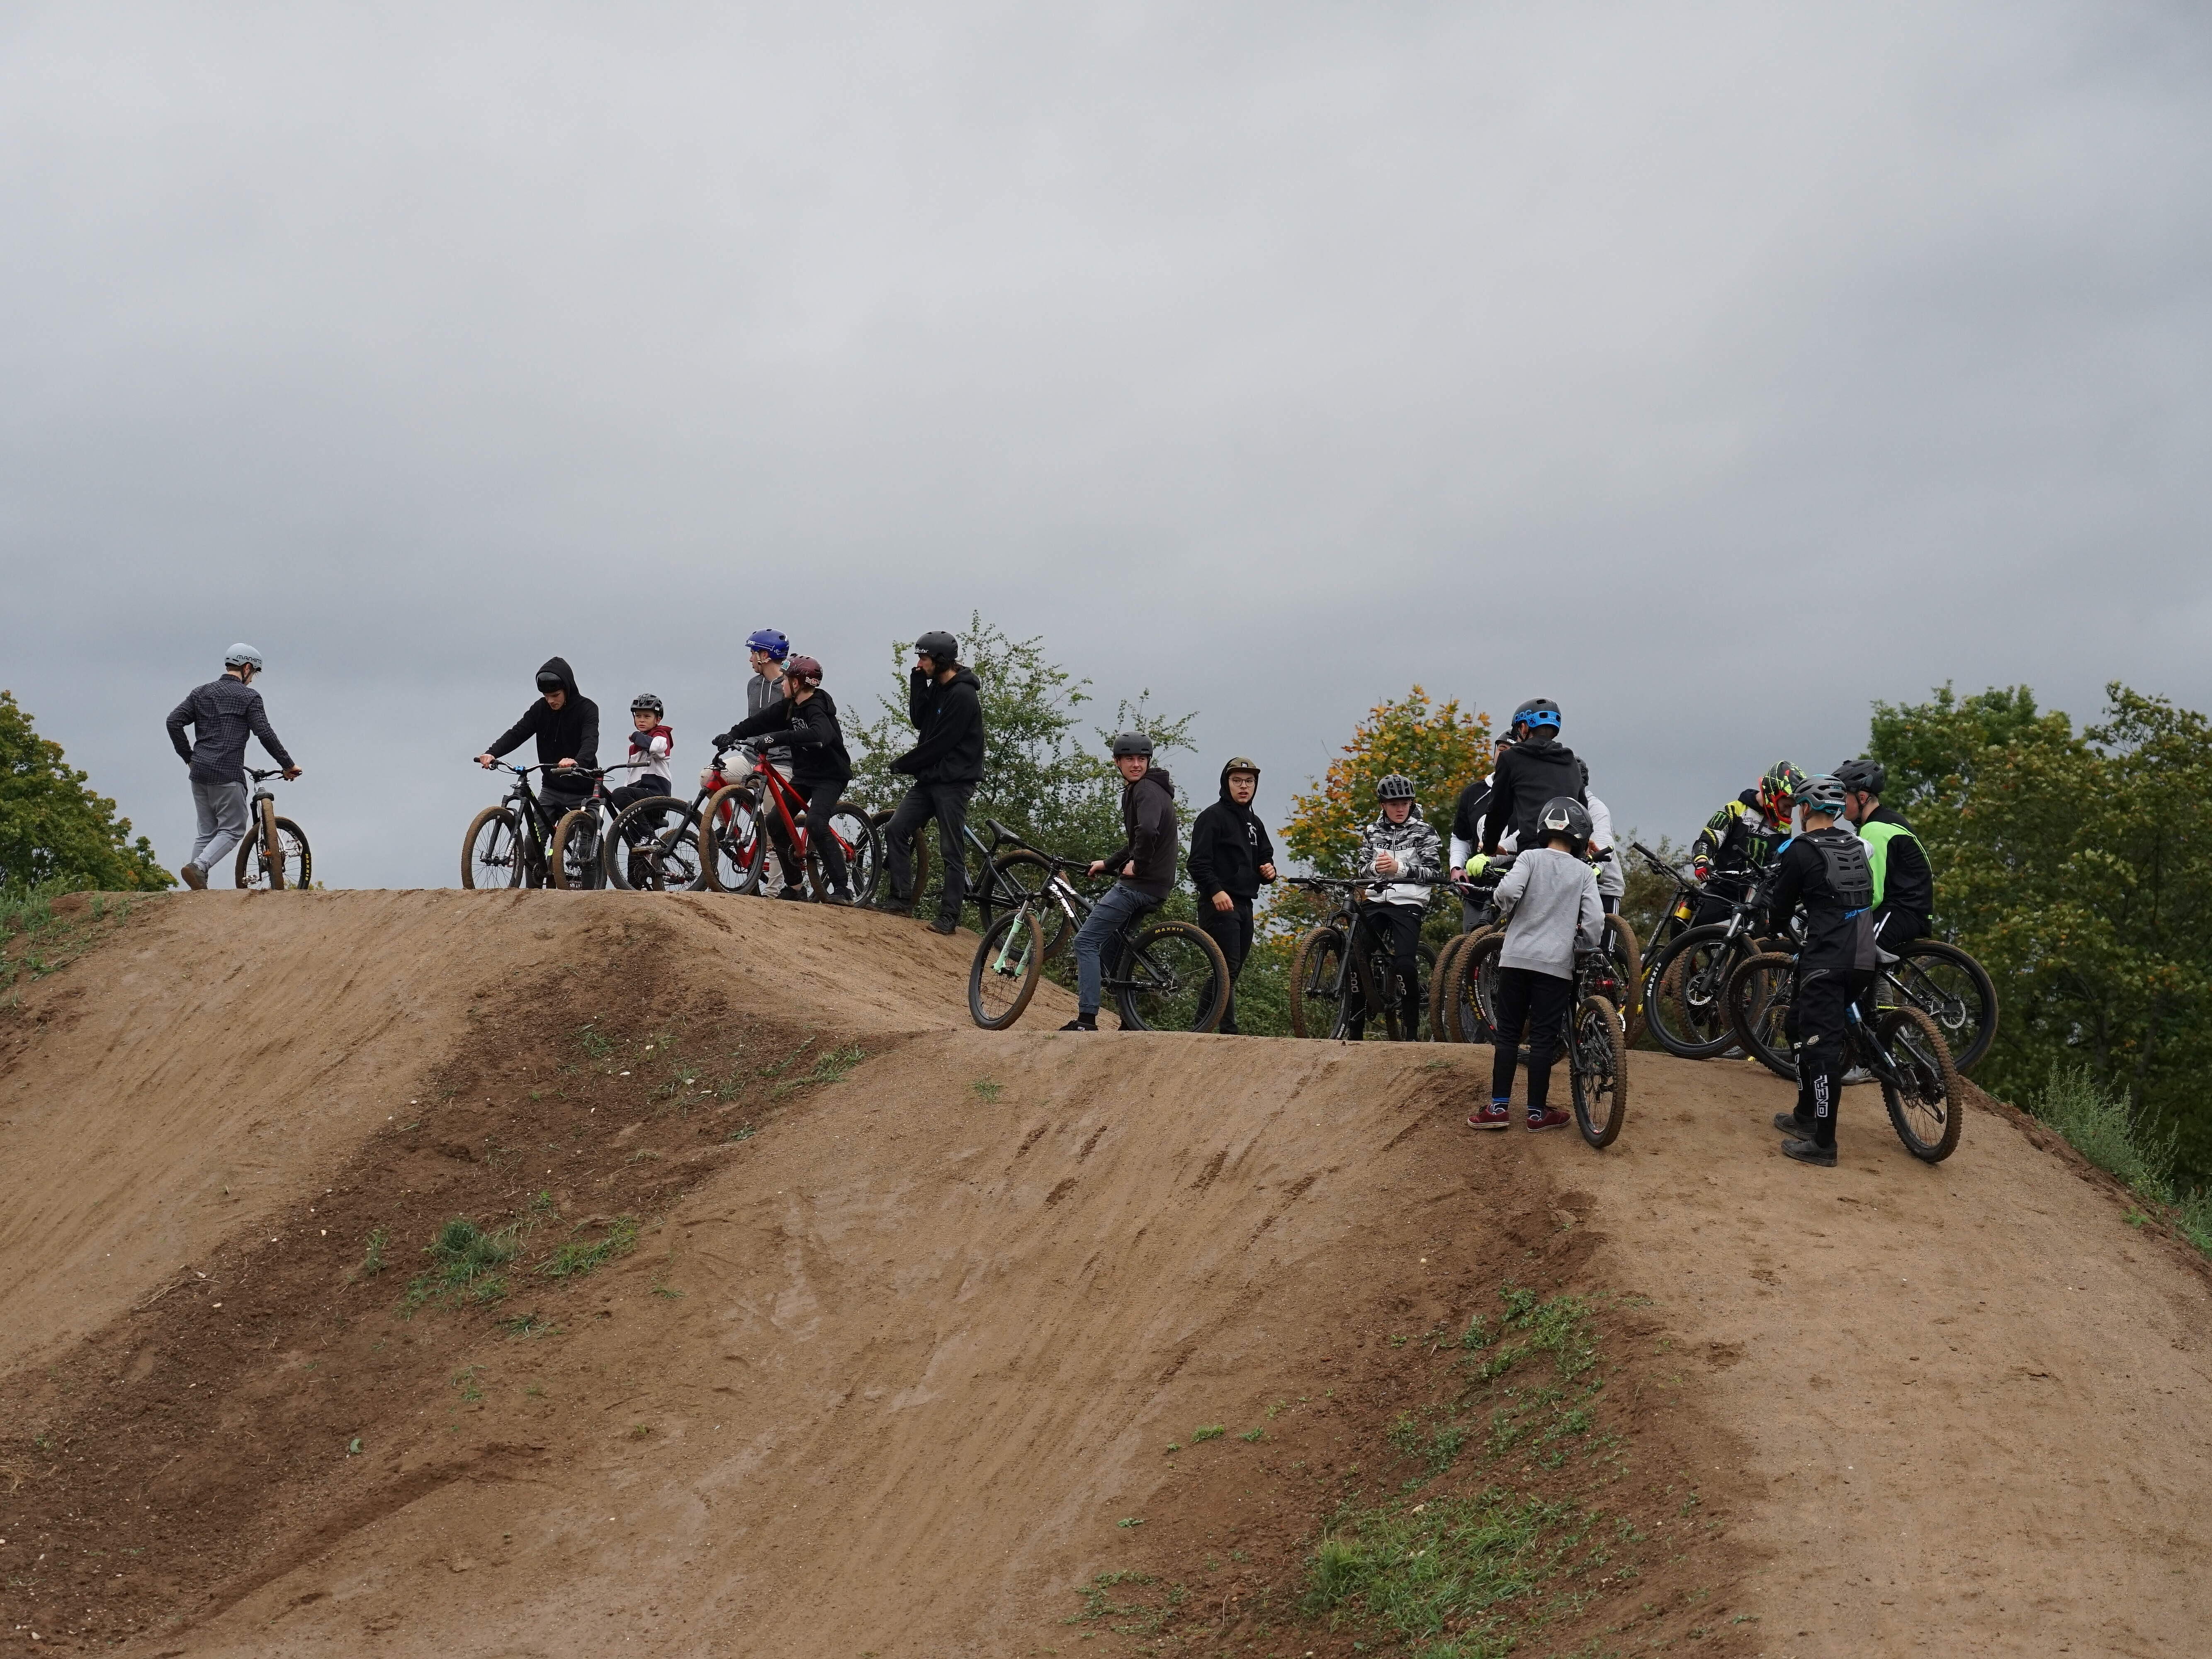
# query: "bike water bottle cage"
{"type": "Point", "coordinates": [768, 640]}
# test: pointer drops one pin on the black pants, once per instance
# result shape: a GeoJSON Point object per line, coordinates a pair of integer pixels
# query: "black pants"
{"type": "Point", "coordinates": [1231, 930]}
{"type": "Point", "coordinates": [822, 800]}
{"type": "Point", "coordinates": [1817, 1025]}
{"type": "Point", "coordinates": [948, 803]}
{"type": "Point", "coordinates": [1396, 928]}
{"type": "Point", "coordinates": [631, 793]}
{"type": "Point", "coordinates": [1538, 1004]}
{"type": "Point", "coordinates": [1895, 929]}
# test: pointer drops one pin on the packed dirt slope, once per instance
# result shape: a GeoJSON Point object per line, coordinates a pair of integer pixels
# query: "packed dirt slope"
{"type": "Point", "coordinates": [898, 1349]}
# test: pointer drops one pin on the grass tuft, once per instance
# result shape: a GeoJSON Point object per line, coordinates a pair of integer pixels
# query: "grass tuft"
{"type": "Point", "coordinates": [579, 1257]}
{"type": "Point", "coordinates": [2098, 1124]}
{"type": "Point", "coordinates": [465, 1266]}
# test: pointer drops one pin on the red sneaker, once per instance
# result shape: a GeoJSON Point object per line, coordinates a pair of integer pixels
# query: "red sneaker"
{"type": "Point", "coordinates": [1496, 1114]}
{"type": "Point", "coordinates": [1552, 1118]}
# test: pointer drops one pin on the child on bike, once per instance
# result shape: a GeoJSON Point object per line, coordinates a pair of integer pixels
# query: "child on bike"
{"type": "Point", "coordinates": [1826, 870]}
{"type": "Point", "coordinates": [650, 745]}
{"type": "Point", "coordinates": [1403, 848]}
{"type": "Point", "coordinates": [1550, 900]}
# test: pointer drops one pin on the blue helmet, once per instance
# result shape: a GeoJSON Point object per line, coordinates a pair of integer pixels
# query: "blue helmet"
{"type": "Point", "coordinates": [768, 640]}
{"type": "Point", "coordinates": [1537, 711]}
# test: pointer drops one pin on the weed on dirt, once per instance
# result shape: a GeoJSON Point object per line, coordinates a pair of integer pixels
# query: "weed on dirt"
{"type": "Point", "coordinates": [47, 928]}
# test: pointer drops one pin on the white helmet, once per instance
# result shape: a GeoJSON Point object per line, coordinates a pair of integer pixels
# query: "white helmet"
{"type": "Point", "coordinates": [242, 656]}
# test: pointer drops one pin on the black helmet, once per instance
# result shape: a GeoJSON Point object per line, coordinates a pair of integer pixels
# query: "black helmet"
{"type": "Point", "coordinates": [1129, 743]}
{"type": "Point", "coordinates": [1820, 794]}
{"type": "Point", "coordinates": [940, 647]}
{"type": "Point", "coordinates": [1563, 815]}
{"type": "Point", "coordinates": [645, 703]}
{"type": "Point", "coordinates": [1862, 776]}
{"type": "Point", "coordinates": [1537, 711]}
{"type": "Point", "coordinates": [1396, 787]}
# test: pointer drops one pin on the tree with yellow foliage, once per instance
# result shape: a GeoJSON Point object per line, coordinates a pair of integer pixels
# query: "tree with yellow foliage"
{"type": "Point", "coordinates": [1440, 746]}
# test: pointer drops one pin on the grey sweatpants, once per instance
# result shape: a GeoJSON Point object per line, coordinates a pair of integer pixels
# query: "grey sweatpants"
{"type": "Point", "coordinates": [222, 809]}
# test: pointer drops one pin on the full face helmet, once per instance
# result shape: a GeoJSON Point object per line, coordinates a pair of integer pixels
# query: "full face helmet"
{"type": "Point", "coordinates": [1777, 788]}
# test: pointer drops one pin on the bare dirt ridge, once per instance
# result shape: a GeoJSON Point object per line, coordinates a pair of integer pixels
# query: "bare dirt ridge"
{"type": "Point", "coordinates": [827, 1324]}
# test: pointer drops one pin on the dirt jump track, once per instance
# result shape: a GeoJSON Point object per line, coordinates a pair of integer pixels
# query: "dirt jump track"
{"type": "Point", "coordinates": [812, 1321]}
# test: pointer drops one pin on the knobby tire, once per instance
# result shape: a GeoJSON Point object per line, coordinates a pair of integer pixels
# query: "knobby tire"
{"type": "Point", "coordinates": [1009, 961]}
{"type": "Point", "coordinates": [1597, 1070]}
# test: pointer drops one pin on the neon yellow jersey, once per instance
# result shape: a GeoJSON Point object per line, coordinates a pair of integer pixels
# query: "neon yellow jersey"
{"type": "Point", "coordinates": [1877, 837]}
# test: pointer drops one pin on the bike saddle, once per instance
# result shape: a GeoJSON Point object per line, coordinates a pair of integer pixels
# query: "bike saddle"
{"type": "Point", "coordinates": [1887, 959]}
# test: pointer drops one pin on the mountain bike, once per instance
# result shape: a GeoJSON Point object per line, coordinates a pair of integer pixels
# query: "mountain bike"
{"type": "Point", "coordinates": [1464, 1002]}
{"type": "Point", "coordinates": [582, 835]}
{"type": "Point", "coordinates": [1163, 975]}
{"type": "Point", "coordinates": [508, 845]}
{"type": "Point", "coordinates": [274, 854]}
{"type": "Point", "coordinates": [1915, 977]}
{"type": "Point", "coordinates": [1901, 1044]}
{"type": "Point", "coordinates": [1597, 1048]}
{"type": "Point", "coordinates": [1685, 982]}
{"type": "Point", "coordinates": [998, 880]}
{"type": "Point", "coordinates": [735, 839]}
{"type": "Point", "coordinates": [1331, 987]}
{"type": "Point", "coordinates": [653, 846]}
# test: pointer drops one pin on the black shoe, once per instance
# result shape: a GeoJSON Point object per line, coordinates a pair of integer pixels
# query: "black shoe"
{"type": "Point", "coordinates": [944, 925]}
{"type": "Point", "coordinates": [840, 896]}
{"type": "Point", "coordinates": [1790, 1124]}
{"type": "Point", "coordinates": [1081, 1023]}
{"type": "Point", "coordinates": [796, 894]}
{"type": "Point", "coordinates": [1806, 1153]}
{"type": "Point", "coordinates": [894, 907]}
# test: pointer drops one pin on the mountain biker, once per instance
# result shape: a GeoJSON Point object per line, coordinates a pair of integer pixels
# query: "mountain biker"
{"type": "Point", "coordinates": [768, 649]}
{"type": "Point", "coordinates": [1229, 856]}
{"type": "Point", "coordinates": [223, 714]}
{"type": "Point", "coordinates": [804, 721]}
{"type": "Point", "coordinates": [1401, 847]}
{"type": "Point", "coordinates": [1904, 882]}
{"type": "Point", "coordinates": [1466, 830]}
{"type": "Point", "coordinates": [1824, 869]}
{"type": "Point", "coordinates": [651, 743]}
{"type": "Point", "coordinates": [1549, 898]}
{"type": "Point", "coordinates": [945, 700]}
{"type": "Point", "coordinates": [1739, 840]}
{"type": "Point", "coordinates": [1143, 866]}
{"type": "Point", "coordinates": [566, 724]}
{"type": "Point", "coordinates": [1537, 770]}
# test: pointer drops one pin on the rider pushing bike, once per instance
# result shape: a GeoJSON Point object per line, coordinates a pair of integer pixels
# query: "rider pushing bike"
{"type": "Point", "coordinates": [1144, 865]}
{"type": "Point", "coordinates": [223, 714]}
{"type": "Point", "coordinates": [1827, 871]}
{"type": "Point", "coordinates": [1401, 847]}
{"type": "Point", "coordinates": [1550, 900]}
{"type": "Point", "coordinates": [804, 720]}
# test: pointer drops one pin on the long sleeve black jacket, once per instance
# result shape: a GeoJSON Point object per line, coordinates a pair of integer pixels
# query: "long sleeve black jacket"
{"type": "Point", "coordinates": [568, 732]}
{"type": "Point", "coordinates": [948, 722]}
{"type": "Point", "coordinates": [1529, 774]}
{"type": "Point", "coordinates": [1228, 844]}
{"type": "Point", "coordinates": [1148, 818]}
{"type": "Point", "coordinates": [223, 714]}
{"type": "Point", "coordinates": [810, 731]}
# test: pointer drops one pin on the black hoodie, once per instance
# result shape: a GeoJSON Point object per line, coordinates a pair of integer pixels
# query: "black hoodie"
{"type": "Point", "coordinates": [1228, 844]}
{"type": "Point", "coordinates": [1148, 818]}
{"type": "Point", "coordinates": [811, 732]}
{"type": "Point", "coordinates": [1531, 772]}
{"type": "Point", "coordinates": [948, 719]}
{"type": "Point", "coordinates": [569, 732]}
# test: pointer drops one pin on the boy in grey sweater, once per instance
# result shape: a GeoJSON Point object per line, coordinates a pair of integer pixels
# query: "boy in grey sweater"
{"type": "Point", "coordinates": [1550, 899]}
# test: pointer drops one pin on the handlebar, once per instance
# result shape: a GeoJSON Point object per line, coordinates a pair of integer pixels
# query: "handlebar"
{"type": "Point", "coordinates": [260, 776]}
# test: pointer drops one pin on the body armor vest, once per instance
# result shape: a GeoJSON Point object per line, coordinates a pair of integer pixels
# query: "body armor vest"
{"type": "Point", "coordinates": [1851, 876]}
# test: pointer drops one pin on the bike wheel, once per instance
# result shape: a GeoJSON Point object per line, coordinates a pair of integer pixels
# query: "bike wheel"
{"type": "Point", "coordinates": [1438, 1031]}
{"type": "Point", "coordinates": [1316, 967]}
{"type": "Point", "coordinates": [1757, 998]}
{"type": "Point", "coordinates": [863, 853]}
{"type": "Point", "coordinates": [1009, 963]}
{"type": "Point", "coordinates": [1954, 990]}
{"type": "Point", "coordinates": [1685, 999]}
{"type": "Point", "coordinates": [653, 847]}
{"type": "Point", "coordinates": [1027, 873]}
{"type": "Point", "coordinates": [1627, 973]}
{"type": "Point", "coordinates": [1924, 1107]}
{"type": "Point", "coordinates": [491, 852]}
{"type": "Point", "coordinates": [289, 867]}
{"type": "Point", "coordinates": [732, 845]}
{"type": "Point", "coordinates": [1470, 987]}
{"type": "Point", "coordinates": [575, 857]}
{"type": "Point", "coordinates": [1174, 979]}
{"type": "Point", "coordinates": [1597, 1070]}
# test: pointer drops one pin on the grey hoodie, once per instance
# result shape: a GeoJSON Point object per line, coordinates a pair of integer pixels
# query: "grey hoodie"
{"type": "Point", "coordinates": [1550, 898]}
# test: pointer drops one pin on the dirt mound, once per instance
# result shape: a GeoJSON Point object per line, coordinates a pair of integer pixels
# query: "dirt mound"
{"type": "Point", "coordinates": [793, 1316]}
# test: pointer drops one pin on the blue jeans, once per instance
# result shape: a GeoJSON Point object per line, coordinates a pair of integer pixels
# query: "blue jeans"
{"type": "Point", "coordinates": [1120, 906]}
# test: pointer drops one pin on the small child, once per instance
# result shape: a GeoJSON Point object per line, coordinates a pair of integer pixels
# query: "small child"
{"type": "Point", "coordinates": [1550, 899]}
{"type": "Point", "coordinates": [650, 746]}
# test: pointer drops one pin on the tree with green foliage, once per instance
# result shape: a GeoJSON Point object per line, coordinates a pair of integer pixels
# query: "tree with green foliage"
{"type": "Point", "coordinates": [54, 831]}
{"type": "Point", "coordinates": [2078, 867]}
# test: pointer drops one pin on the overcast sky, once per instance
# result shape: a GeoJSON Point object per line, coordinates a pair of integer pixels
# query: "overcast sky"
{"type": "Point", "coordinates": [1715, 370]}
